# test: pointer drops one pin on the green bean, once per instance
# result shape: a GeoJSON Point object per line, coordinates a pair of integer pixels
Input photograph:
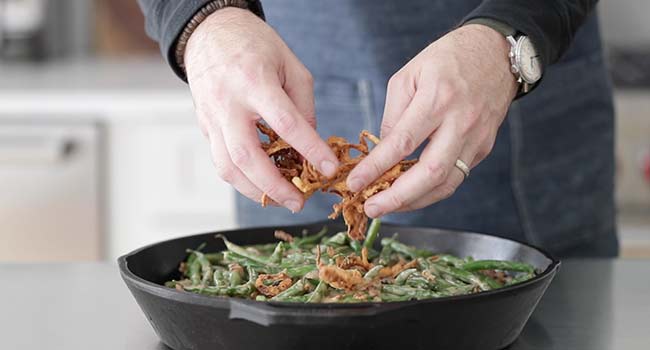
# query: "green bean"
{"type": "Point", "coordinates": [460, 290]}
{"type": "Point", "coordinates": [194, 272]}
{"type": "Point", "coordinates": [498, 265]}
{"type": "Point", "coordinates": [482, 281]}
{"type": "Point", "coordinates": [242, 251]}
{"type": "Point", "coordinates": [338, 239]}
{"type": "Point", "coordinates": [276, 257]}
{"type": "Point", "coordinates": [373, 272]}
{"type": "Point", "coordinates": [221, 273]}
{"type": "Point", "coordinates": [230, 257]}
{"type": "Point", "coordinates": [300, 271]}
{"type": "Point", "coordinates": [401, 278]}
{"type": "Point", "coordinates": [318, 293]}
{"type": "Point", "coordinates": [521, 278]}
{"type": "Point", "coordinates": [409, 251]}
{"type": "Point", "coordinates": [388, 297]}
{"type": "Point", "coordinates": [265, 248]}
{"type": "Point", "coordinates": [218, 278]}
{"type": "Point", "coordinates": [206, 267]}
{"type": "Point", "coordinates": [297, 288]}
{"type": "Point", "coordinates": [373, 232]}
{"type": "Point", "coordinates": [416, 280]}
{"type": "Point", "coordinates": [214, 258]}
{"type": "Point", "coordinates": [412, 293]}
{"type": "Point", "coordinates": [451, 260]}
{"type": "Point", "coordinates": [235, 277]}
{"type": "Point", "coordinates": [307, 240]}
{"type": "Point", "coordinates": [356, 246]}
{"type": "Point", "coordinates": [239, 291]}
{"type": "Point", "coordinates": [252, 274]}
{"type": "Point", "coordinates": [385, 255]}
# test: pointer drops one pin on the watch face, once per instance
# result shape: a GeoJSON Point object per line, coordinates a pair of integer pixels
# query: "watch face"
{"type": "Point", "coordinates": [530, 65]}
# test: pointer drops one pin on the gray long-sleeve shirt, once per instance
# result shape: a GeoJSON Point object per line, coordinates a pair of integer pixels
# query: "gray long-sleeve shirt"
{"type": "Point", "coordinates": [551, 24]}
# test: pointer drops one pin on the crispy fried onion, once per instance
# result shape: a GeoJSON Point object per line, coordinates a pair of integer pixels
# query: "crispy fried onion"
{"type": "Point", "coordinates": [340, 278]}
{"type": "Point", "coordinates": [272, 284]}
{"type": "Point", "coordinates": [353, 261]}
{"type": "Point", "coordinates": [337, 276]}
{"type": "Point", "coordinates": [283, 235]}
{"type": "Point", "coordinates": [308, 180]}
{"type": "Point", "coordinates": [394, 270]}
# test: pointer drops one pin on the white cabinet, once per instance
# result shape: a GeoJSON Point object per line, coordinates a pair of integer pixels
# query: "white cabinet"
{"type": "Point", "coordinates": [49, 191]}
{"type": "Point", "coordinates": [161, 183]}
{"type": "Point", "coordinates": [139, 170]}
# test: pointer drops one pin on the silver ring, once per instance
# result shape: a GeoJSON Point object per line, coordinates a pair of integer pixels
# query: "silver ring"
{"type": "Point", "coordinates": [462, 167]}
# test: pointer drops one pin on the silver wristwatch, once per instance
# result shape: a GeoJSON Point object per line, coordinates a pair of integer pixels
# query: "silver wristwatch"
{"type": "Point", "coordinates": [525, 62]}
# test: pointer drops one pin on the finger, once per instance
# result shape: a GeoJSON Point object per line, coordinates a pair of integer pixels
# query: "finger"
{"type": "Point", "coordinates": [299, 86]}
{"type": "Point", "coordinates": [399, 94]}
{"type": "Point", "coordinates": [227, 171]}
{"type": "Point", "coordinates": [416, 125]}
{"type": "Point", "coordinates": [281, 114]}
{"type": "Point", "coordinates": [444, 190]}
{"type": "Point", "coordinates": [432, 169]}
{"type": "Point", "coordinates": [243, 144]}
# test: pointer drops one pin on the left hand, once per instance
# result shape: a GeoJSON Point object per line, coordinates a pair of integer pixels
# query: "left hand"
{"type": "Point", "coordinates": [455, 93]}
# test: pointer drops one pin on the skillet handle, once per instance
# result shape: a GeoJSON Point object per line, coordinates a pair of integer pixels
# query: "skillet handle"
{"type": "Point", "coordinates": [268, 314]}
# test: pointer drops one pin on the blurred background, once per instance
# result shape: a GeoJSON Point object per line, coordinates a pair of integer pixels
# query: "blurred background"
{"type": "Point", "coordinates": [100, 152]}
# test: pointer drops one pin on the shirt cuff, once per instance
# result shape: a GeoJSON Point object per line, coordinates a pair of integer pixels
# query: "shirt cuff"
{"type": "Point", "coordinates": [525, 19]}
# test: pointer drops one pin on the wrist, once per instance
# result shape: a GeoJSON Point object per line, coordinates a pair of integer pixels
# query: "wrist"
{"type": "Point", "coordinates": [209, 10]}
{"type": "Point", "coordinates": [498, 49]}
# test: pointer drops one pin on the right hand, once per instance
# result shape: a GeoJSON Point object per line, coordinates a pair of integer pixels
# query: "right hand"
{"type": "Point", "coordinates": [239, 70]}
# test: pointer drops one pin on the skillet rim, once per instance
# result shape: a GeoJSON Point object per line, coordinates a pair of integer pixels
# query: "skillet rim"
{"type": "Point", "coordinates": [132, 279]}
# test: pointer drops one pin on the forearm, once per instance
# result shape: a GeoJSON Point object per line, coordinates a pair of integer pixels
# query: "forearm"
{"type": "Point", "coordinates": [551, 24]}
{"type": "Point", "coordinates": [166, 19]}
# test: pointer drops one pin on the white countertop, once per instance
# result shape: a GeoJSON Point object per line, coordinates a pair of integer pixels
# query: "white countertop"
{"type": "Point", "coordinates": [97, 88]}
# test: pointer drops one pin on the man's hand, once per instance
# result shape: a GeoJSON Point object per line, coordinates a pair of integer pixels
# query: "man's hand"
{"type": "Point", "coordinates": [239, 71]}
{"type": "Point", "coordinates": [455, 93]}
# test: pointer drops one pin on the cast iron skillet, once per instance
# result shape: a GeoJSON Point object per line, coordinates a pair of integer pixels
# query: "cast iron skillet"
{"type": "Point", "coordinates": [484, 321]}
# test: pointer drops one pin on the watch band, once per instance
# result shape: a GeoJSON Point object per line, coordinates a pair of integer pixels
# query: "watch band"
{"type": "Point", "coordinates": [198, 18]}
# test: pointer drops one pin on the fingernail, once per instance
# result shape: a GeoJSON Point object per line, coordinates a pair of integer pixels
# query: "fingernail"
{"type": "Point", "coordinates": [292, 205]}
{"type": "Point", "coordinates": [328, 168]}
{"type": "Point", "coordinates": [355, 184]}
{"type": "Point", "coordinates": [373, 210]}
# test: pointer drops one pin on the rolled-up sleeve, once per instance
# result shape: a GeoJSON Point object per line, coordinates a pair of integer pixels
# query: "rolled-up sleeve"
{"type": "Point", "coordinates": [550, 24]}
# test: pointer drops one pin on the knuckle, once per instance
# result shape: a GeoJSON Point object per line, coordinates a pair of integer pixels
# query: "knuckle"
{"type": "Point", "coordinates": [404, 143]}
{"type": "Point", "coordinates": [447, 190]}
{"type": "Point", "coordinates": [386, 128]}
{"type": "Point", "coordinates": [468, 124]}
{"type": "Point", "coordinates": [394, 81]}
{"type": "Point", "coordinates": [436, 173]}
{"type": "Point", "coordinates": [275, 191]}
{"type": "Point", "coordinates": [375, 168]}
{"type": "Point", "coordinates": [239, 155]}
{"type": "Point", "coordinates": [396, 201]}
{"type": "Point", "coordinates": [308, 78]}
{"type": "Point", "coordinates": [311, 150]}
{"type": "Point", "coordinates": [447, 93]}
{"type": "Point", "coordinates": [225, 171]}
{"type": "Point", "coordinates": [286, 123]}
{"type": "Point", "coordinates": [484, 150]}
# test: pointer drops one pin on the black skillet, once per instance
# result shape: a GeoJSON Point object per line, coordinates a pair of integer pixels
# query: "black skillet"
{"type": "Point", "coordinates": [484, 321]}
